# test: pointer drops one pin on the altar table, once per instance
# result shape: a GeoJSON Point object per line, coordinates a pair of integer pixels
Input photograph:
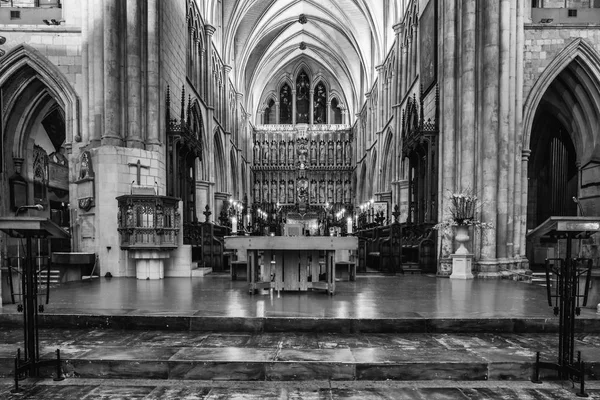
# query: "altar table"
{"type": "Point", "coordinates": [290, 262]}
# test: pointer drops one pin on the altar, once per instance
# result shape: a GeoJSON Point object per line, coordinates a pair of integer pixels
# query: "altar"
{"type": "Point", "coordinates": [291, 263]}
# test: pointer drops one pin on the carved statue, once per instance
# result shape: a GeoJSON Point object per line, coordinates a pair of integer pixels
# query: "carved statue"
{"type": "Point", "coordinates": [339, 156]}
{"type": "Point", "coordinates": [282, 191]}
{"type": "Point", "coordinates": [322, 191]}
{"type": "Point", "coordinates": [313, 152]}
{"type": "Point", "coordinates": [290, 196]}
{"type": "Point", "coordinates": [330, 152]}
{"type": "Point", "coordinates": [330, 191]}
{"type": "Point", "coordinates": [313, 192]}
{"type": "Point", "coordinates": [273, 191]}
{"type": "Point", "coordinates": [257, 152]}
{"type": "Point", "coordinates": [282, 152]}
{"type": "Point", "coordinates": [265, 152]}
{"type": "Point", "coordinates": [273, 152]}
{"type": "Point", "coordinates": [348, 152]}
{"type": "Point", "coordinates": [290, 150]}
{"type": "Point", "coordinates": [347, 190]}
{"type": "Point", "coordinates": [302, 151]}
{"type": "Point", "coordinates": [256, 191]}
{"type": "Point", "coordinates": [338, 192]}
{"type": "Point", "coordinates": [265, 192]}
{"type": "Point", "coordinates": [322, 152]}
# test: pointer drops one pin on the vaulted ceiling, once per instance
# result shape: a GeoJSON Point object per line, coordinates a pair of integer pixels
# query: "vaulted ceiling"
{"type": "Point", "coordinates": [346, 38]}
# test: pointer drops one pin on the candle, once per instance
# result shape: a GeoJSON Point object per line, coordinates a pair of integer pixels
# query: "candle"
{"type": "Point", "coordinates": [349, 228]}
{"type": "Point", "coordinates": [233, 224]}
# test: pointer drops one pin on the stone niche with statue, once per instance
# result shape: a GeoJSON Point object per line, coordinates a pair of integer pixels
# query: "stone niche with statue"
{"type": "Point", "coordinates": [302, 167]}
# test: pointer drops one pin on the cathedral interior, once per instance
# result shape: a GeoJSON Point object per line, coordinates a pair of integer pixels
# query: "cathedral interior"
{"type": "Point", "coordinates": [430, 160]}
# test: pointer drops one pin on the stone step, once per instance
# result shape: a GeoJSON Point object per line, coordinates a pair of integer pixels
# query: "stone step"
{"type": "Point", "coordinates": [201, 271]}
{"type": "Point", "coordinates": [115, 354]}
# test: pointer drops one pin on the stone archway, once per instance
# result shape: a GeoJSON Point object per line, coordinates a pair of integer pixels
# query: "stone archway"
{"type": "Point", "coordinates": [562, 127]}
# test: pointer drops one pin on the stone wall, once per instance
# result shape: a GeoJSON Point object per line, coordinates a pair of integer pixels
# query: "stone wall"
{"type": "Point", "coordinates": [542, 44]}
{"type": "Point", "coordinates": [173, 45]}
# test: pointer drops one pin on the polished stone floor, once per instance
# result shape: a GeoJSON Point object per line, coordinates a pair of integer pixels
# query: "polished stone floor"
{"type": "Point", "coordinates": [165, 390]}
{"type": "Point", "coordinates": [369, 297]}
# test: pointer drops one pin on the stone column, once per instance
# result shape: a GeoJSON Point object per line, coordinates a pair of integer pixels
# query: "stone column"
{"type": "Point", "coordinates": [510, 213]}
{"type": "Point", "coordinates": [311, 104]}
{"type": "Point", "coordinates": [503, 129]}
{"type": "Point", "coordinates": [210, 82]}
{"type": "Point", "coordinates": [226, 105]}
{"type": "Point", "coordinates": [520, 209]}
{"type": "Point", "coordinates": [153, 101]}
{"type": "Point", "coordinates": [262, 117]}
{"type": "Point", "coordinates": [293, 106]}
{"type": "Point", "coordinates": [404, 68]}
{"type": "Point", "coordinates": [489, 129]}
{"type": "Point", "coordinates": [134, 75]}
{"type": "Point", "coordinates": [112, 134]}
{"type": "Point", "coordinates": [328, 113]}
{"type": "Point", "coordinates": [277, 117]}
{"type": "Point", "coordinates": [415, 46]}
{"type": "Point", "coordinates": [86, 90]}
{"type": "Point", "coordinates": [97, 72]}
{"type": "Point", "coordinates": [378, 114]}
{"type": "Point", "coordinates": [448, 122]}
{"type": "Point", "coordinates": [468, 110]}
{"type": "Point", "coordinates": [525, 154]}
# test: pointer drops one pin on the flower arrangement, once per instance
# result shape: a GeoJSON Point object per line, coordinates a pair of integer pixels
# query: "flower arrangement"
{"type": "Point", "coordinates": [462, 208]}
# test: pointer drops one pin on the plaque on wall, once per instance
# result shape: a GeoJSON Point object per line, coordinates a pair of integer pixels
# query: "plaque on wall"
{"type": "Point", "coordinates": [85, 183]}
{"type": "Point", "coordinates": [590, 174]}
{"type": "Point", "coordinates": [87, 227]}
{"type": "Point", "coordinates": [428, 44]}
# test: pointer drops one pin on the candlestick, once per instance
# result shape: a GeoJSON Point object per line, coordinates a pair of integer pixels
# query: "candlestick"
{"type": "Point", "coordinates": [349, 227]}
{"type": "Point", "coordinates": [234, 224]}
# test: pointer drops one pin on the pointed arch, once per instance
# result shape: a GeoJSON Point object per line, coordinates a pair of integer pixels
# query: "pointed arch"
{"type": "Point", "coordinates": [235, 188]}
{"type": "Point", "coordinates": [584, 60]}
{"type": "Point", "coordinates": [372, 174]}
{"type": "Point", "coordinates": [22, 68]}
{"type": "Point", "coordinates": [219, 163]}
{"type": "Point", "coordinates": [387, 162]}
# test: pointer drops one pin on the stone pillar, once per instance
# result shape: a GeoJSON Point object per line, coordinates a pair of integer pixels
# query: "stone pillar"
{"type": "Point", "coordinates": [277, 117]}
{"type": "Point", "coordinates": [226, 105]}
{"type": "Point", "coordinates": [112, 134]}
{"type": "Point", "coordinates": [489, 129]}
{"type": "Point", "coordinates": [311, 104]}
{"type": "Point", "coordinates": [511, 167]}
{"type": "Point", "coordinates": [448, 123]}
{"type": "Point", "coordinates": [415, 46]}
{"type": "Point", "coordinates": [503, 129]}
{"type": "Point", "coordinates": [153, 101]}
{"type": "Point", "coordinates": [404, 76]}
{"type": "Point", "coordinates": [134, 75]}
{"type": "Point", "coordinates": [210, 82]}
{"type": "Point", "coordinates": [520, 208]}
{"type": "Point", "coordinates": [262, 117]}
{"type": "Point", "coordinates": [293, 106]}
{"type": "Point", "coordinates": [468, 111]}
{"type": "Point", "coordinates": [525, 154]}
{"type": "Point", "coordinates": [86, 89]}
{"type": "Point", "coordinates": [379, 108]}
{"type": "Point", "coordinates": [97, 72]}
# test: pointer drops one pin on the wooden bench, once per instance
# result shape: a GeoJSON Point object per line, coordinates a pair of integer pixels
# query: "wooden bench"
{"type": "Point", "coordinates": [418, 249]}
{"type": "Point", "coordinates": [212, 253]}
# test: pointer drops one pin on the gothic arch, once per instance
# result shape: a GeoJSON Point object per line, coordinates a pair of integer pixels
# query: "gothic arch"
{"type": "Point", "coordinates": [25, 69]}
{"type": "Point", "coordinates": [387, 162]}
{"type": "Point", "coordinates": [235, 188]}
{"type": "Point", "coordinates": [372, 175]}
{"type": "Point", "coordinates": [220, 164]}
{"type": "Point", "coordinates": [582, 63]}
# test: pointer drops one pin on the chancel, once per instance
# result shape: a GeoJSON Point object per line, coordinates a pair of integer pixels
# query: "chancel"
{"type": "Point", "coordinates": [371, 174]}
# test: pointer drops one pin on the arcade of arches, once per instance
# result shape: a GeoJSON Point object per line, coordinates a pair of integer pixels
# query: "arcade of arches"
{"type": "Point", "coordinates": [297, 107]}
